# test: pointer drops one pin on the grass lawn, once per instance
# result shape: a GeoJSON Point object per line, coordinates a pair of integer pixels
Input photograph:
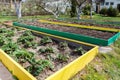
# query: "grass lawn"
{"type": "Point", "coordinates": [103, 67]}
{"type": "Point", "coordinates": [95, 17]}
{"type": "Point", "coordinates": [103, 18]}
{"type": "Point", "coordinates": [7, 18]}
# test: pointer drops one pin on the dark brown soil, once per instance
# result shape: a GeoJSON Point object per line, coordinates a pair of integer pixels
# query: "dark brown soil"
{"type": "Point", "coordinates": [89, 24]}
{"type": "Point", "coordinates": [4, 73]}
{"type": "Point", "coordinates": [87, 32]}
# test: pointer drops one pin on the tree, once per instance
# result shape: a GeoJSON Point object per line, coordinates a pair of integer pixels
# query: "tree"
{"type": "Point", "coordinates": [79, 7]}
{"type": "Point", "coordinates": [91, 2]}
{"type": "Point", "coordinates": [73, 8]}
{"type": "Point", "coordinates": [54, 7]}
{"type": "Point", "coordinates": [18, 5]}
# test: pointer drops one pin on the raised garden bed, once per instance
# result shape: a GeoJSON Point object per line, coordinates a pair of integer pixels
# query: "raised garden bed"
{"type": "Point", "coordinates": [86, 35]}
{"type": "Point", "coordinates": [93, 27]}
{"type": "Point", "coordinates": [42, 56]}
{"type": "Point", "coordinates": [106, 24]}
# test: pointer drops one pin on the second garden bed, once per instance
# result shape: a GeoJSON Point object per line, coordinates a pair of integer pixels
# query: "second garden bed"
{"type": "Point", "coordinates": [91, 36]}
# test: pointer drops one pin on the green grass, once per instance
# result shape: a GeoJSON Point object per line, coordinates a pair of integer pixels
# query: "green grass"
{"type": "Point", "coordinates": [103, 18]}
{"type": "Point", "coordinates": [7, 18]}
{"type": "Point", "coordinates": [95, 17]}
{"type": "Point", "coordinates": [103, 67]}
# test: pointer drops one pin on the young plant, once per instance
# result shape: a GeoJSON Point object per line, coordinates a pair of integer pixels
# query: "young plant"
{"type": "Point", "coordinates": [27, 33]}
{"type": "Point", "coordinates": [3, 30]}
{"type": "Point", "coordinates": [2, 41]}
{"type": "Point", "coordinates": [37, 66]}
{"type": "Point", "coordinates": [49, 50]}
{"type": "Point", "coordinates": [46, 50]}
{"type": "Point", "coordinates": [22, 55]}
{"type": "Point", "coordinates": [63, 45]}
{"type": "Point", "coordinates": [46, 40]}
{"type": "Point", "coordinates": [9, 33]}
{"type": "Point", "coordinates": [10, 47]}
{"type": "Point", "coordinates": [27, 39]}
{"type": "Point", "coordinates": [62, 57]}
{"type": "Point", "coordinates": [79, 51]}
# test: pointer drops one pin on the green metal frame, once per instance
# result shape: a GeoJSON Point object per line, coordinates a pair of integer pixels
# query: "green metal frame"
{"type": "Point", "coordinates": [78, 37]}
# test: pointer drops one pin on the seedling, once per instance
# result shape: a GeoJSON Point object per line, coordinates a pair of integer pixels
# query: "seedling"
{"type": "Point", "coordinates": [62, 57]}
{"type": "Point", "coordinates": [46, 40]}
{"type": "Point", "coordinates": [79, 51]}
{"type": "Point", "coordinates": [3, 30]}
{"type": "Point", "coordinates": [46, 50]}
{"type": "Point", "coordinates": [37, 66]}
{"type": "Point", "coordinates": [10, 47]}
{"type": "Point", "coordinates": [27, 39]}
{"type": "Point", "coordinates": [63, 45]}
{"type": "Point", "coordinates": [2, 41]}
{"type": "Point", "coordinates": [23, 55]}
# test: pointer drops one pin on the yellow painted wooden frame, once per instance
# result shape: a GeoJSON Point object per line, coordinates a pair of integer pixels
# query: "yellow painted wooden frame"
{"type": "Point", "coordinates": [14, 67]}
{"type": "Point", "coordinates": [63, 74]}
{"type": "Point", "coordinates": [81, 26]}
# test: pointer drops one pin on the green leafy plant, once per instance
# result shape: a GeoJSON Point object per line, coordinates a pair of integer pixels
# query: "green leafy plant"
{"type": "Point", "coordinates": [7, 33]}
{"type": "Point", "coordinates": [10, 33]}
{"type": "Point", "coordinates": [2, 41]}
{"type": "Point", "coordinates": [112, 12]}
{"type": "Point", "coordinates": [46, 50]}
{"type": "Point", "coordinates": [27, 39]}
{"type": "Point", "coordinates": [79, 50]}
{"type": "Point", "coordinates": [103, 11]}
{"type": "Point", "coordinates": [62, 57]}
{"type": "Point", "coordinates": [37, 66]}
{"type": "Point", "coordinates": [10, 47]}
{"type": "Point", "coordinates": [22, 55]}
{"type": "Point", "coordinates": [3, 30]}
{"type": "Point", "coordinates": [27, 33]}
{"type": "Point", "coordinates": [63, 45]}
{"type": "Point", "coordinates": [46, 40]}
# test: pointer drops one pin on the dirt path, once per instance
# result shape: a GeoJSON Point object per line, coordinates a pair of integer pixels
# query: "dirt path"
{"type": "Point", "coordinates": [4, 73]}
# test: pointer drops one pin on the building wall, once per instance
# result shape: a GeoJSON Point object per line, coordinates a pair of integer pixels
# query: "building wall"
{"type": "Point", "coordinates": [109, 3]}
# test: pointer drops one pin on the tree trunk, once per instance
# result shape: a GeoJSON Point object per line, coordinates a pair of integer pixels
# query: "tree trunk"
{"type": "Point", "coordinates": [91, 10]}
{"type": "Point", "coordinates": [79, 13]}
{"type": "Point", "coordinates": [18, 8]}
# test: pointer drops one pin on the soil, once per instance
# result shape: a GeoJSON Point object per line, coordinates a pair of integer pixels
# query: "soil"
{"type": "Point", "coordinates": [88, 24]}
{"type": "Point", "coordinates": [58, 65]}
{"type": "Point", "coordinates": [4, 73]}
{"type": "Point", "coordinates": [87, 32]}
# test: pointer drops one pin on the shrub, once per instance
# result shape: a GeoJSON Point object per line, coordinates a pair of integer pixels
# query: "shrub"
{"type": "Point", "coordinates": [118, 7]}
{"type": "Point", "coordinates": [86, 10]}
{"type": "Point", "coordinates": [103, 11]}
{"type": "Point", "coordinates": [112, 12]}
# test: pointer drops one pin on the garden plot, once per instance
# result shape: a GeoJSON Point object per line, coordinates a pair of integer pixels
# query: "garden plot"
{"type": "Point", "coordinates": [81, 25]}
{"type": "Point", "coordinates": [87, 35]}
{"type": "Point", "coordinates": [41, 55]}
{"type": "Point", "coordinates": [106, 24]}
